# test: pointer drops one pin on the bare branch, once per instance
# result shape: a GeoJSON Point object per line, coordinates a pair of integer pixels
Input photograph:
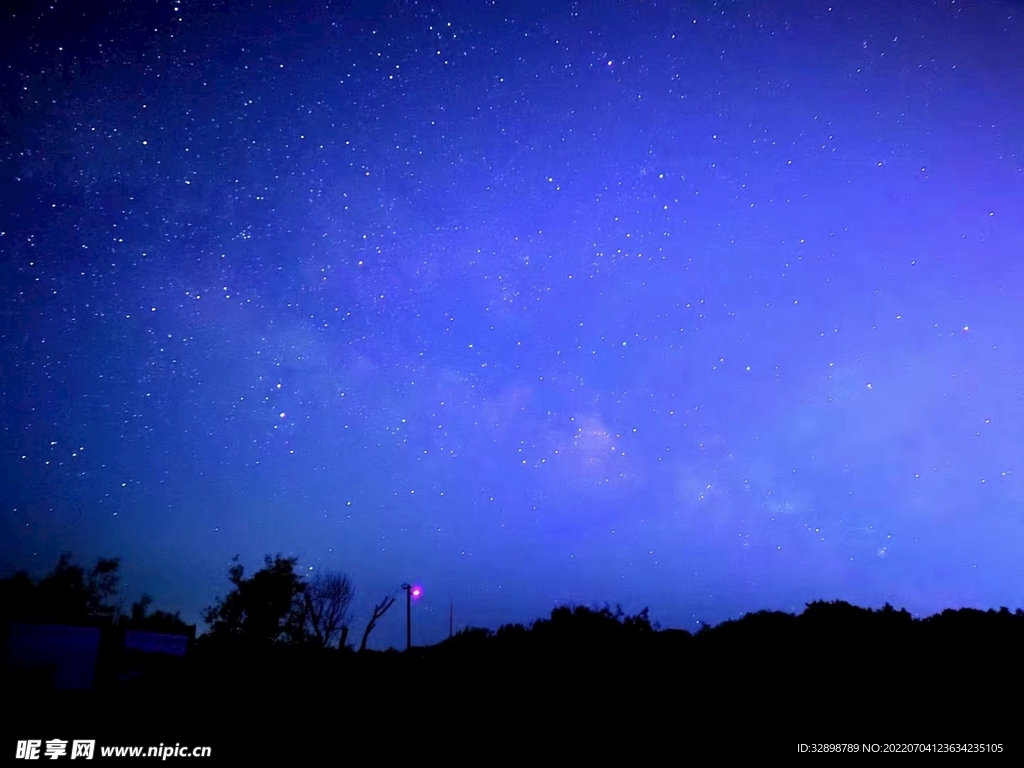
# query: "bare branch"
{"type": "Point", "coordinates": [378, 612]}
{"type": "Point", "coordinates": [327, 601]}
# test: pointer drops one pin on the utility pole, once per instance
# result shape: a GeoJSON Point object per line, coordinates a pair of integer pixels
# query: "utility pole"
{"type": "Point", "coordinates": [451, 618]}
{"type": "Point", "coordinates": [410, 593]}
{"type": "Point", "coordinates": [408, 615]}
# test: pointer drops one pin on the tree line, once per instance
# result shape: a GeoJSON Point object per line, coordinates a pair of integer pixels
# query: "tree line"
{"type": "Point", "coordinates": [273, 640]}
{"type": "Point", "coordinates": [275, 606]}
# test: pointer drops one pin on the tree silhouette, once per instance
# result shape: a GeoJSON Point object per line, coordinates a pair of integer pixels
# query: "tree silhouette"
{"type": "Point", "coordinates": [263, 610]}
{"type": "Point", "coordinates": [327, 599]}
{"type": "Point", "coordinates": [18, 597]}
{"type": "Point", "coordinates": [378, 611]}
{"type": "Point", "coordinates": [67, 595]}
{"type": "Point", "coordinates": [159, 621]}
{"type": "Point", "coordinates": [71, 594]}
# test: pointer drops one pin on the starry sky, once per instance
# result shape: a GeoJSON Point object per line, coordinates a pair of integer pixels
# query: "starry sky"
{"type": "Point", "coordinates": [710, 307]}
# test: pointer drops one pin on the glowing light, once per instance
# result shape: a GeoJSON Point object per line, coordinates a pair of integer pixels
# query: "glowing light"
{"type": "Point", "coordinates": [417, 591]}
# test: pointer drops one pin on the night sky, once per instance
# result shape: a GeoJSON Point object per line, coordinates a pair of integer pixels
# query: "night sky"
{"type": "Point", "coordinates": [705, 307]}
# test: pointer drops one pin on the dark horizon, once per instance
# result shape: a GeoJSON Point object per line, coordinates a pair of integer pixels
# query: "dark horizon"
{"type": "Point", "coordinates": [847, 675]}
{"type": "Point", "coordinates": [120, 608]}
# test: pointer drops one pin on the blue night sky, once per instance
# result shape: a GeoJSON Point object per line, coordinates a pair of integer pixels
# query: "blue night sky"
{"type": "Point", "coordinates": [706, 307]}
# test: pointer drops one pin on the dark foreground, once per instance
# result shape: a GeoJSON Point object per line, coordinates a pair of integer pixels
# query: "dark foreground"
{"type": "Point", "coordinates": [757, 702]}
{"type": "Point", "coordinates": [582, 683]}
